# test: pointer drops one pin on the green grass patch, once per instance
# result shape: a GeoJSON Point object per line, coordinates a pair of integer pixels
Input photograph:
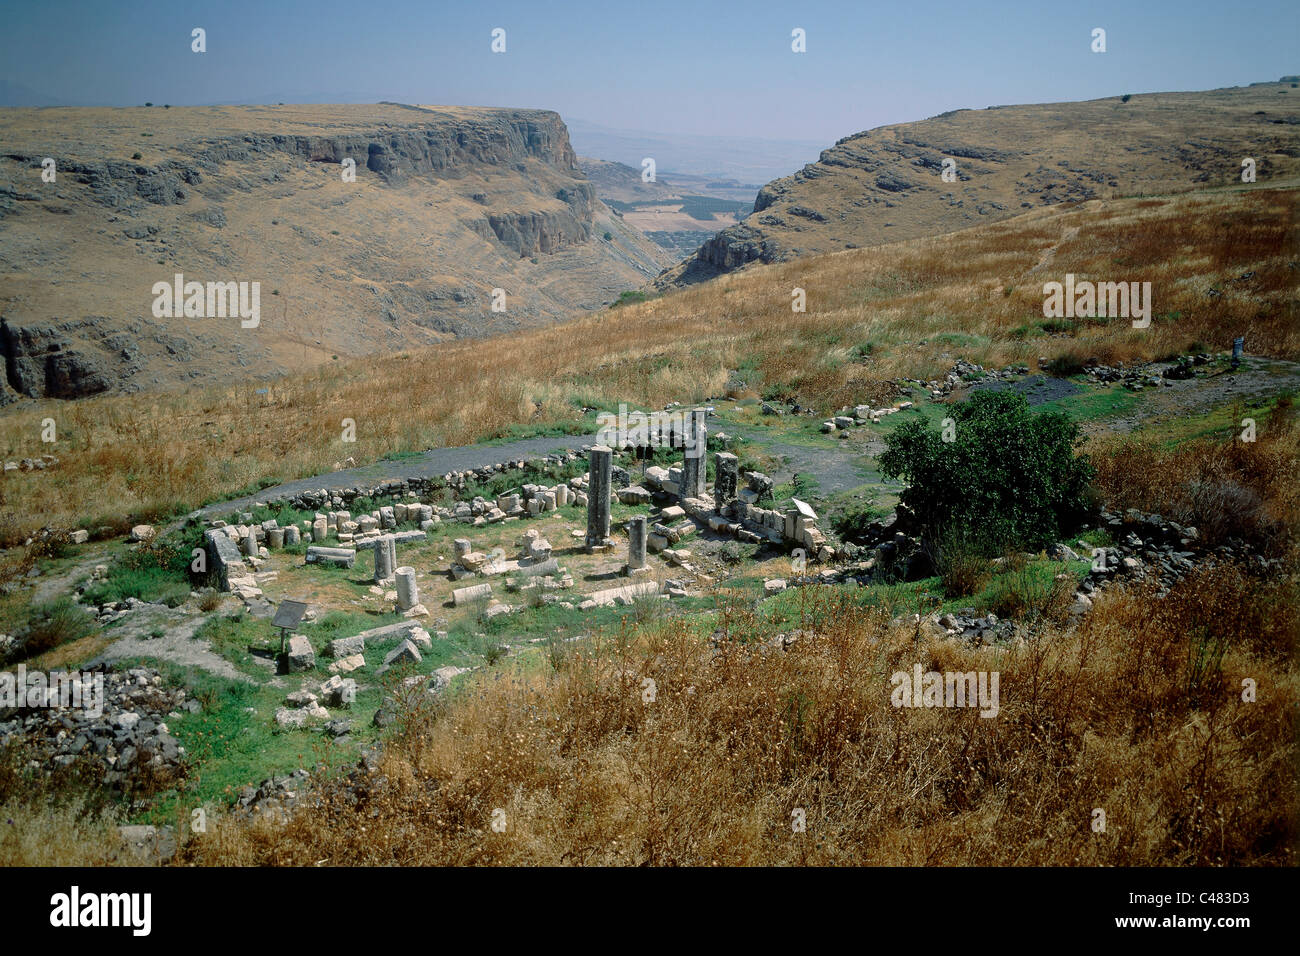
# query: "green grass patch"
{"type": "Point", "coordinates": [158, 575]}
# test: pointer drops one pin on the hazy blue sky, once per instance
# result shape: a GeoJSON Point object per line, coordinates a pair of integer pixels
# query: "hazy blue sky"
{"type": "Point", "coordinates": [681, 67]}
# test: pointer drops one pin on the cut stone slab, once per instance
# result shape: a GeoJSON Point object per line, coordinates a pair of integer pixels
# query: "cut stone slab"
{"type": "Point", "coordinates": [625, 594]}
{"type": "Point", "coordinates": [346, 665]}
{"type": "Point", "coordinates": [378, 635]}
{"type": "Point", "coordinates": [403, 652]}
{"type": "Point", "coordinates": [299, 717]}
{"type": "Point", "coordinates": [635, 495]}
{"type": "Point", "coordinates": [301, 655]}
{"type": "Point", "coordinates": [339, 691]}
{"type": "Point", "coordinates": [342, 557]}
{"type": "Point", "coordinates": [346, 646]}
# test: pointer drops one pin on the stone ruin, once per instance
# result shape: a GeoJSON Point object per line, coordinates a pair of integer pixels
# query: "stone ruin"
{"type": "Point", "coordinates": [734, 506]}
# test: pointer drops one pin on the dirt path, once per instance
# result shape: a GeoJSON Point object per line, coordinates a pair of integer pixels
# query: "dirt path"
{"type": "Point", "coordinates": [835, 470]}
{"type": "Point", "coordinates": [52, 585]}
{"type": "Point", "coordinates": [1257, 380]}
{"type": "Point", "coordinates": [134, 638]}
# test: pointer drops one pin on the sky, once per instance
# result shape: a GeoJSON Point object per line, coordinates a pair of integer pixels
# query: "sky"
{"type": "Point", "coordinates": [720, 68]}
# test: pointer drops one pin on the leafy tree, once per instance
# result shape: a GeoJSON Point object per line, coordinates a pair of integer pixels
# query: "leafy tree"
{"type": "Point", "coordinates": [1008, 478]}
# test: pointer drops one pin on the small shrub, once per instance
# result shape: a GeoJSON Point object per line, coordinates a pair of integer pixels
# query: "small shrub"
{"type": "Point", "coordinates": [731, 553]}
{"type": "Point", "coordinates": [1066, 364]}
{"type": "Point", "coordinates": [647, 608]}
{"type": "Point", "coordinates": [630, 298]}
{"type": "Point", "coordinates": [1058, 326]}
{"type": "Point", "coordinates": [492, 650]}
{"type": "Point", "coordinates": [52, 625]}
{"type": "Point", "coordinates": [962, 569]}
{"type": "Point", "coordinates": [1030, 594]}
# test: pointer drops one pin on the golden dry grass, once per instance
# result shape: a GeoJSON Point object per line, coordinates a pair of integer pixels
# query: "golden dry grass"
{"type": "Point", "coordinates": [1112, 715]}
{"type": "Point", "coordinates": [1136, 709]}
{"type": "Point", "coordinates": [67, 835]}
{"type": "Point", "coordinates": [919, 304]}
{"type": "Point", "coordinates": [1226, 489]}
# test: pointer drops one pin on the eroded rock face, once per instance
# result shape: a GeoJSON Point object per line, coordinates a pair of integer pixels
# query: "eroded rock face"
{"type": "Point", "coordinates": [731, 249]}
{"type": "Point", "coordinates": [53, 361]}
{"type": "Point", "coordinates": [450, 204]}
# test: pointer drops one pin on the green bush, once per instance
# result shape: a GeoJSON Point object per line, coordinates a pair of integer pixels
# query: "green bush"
{"type": "Point", "coordinates": [631, 297]}
{"type": "Point", "coordinates": [1009, 477]}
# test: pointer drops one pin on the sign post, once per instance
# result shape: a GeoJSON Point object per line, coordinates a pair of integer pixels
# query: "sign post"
{"type": "Point", "coordinates": [287, 617]}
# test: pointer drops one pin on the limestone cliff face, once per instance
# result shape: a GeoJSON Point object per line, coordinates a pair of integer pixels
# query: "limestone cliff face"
{"type": "Point", "coordinates": [888, 184]}
{"type": "Point", "coordinates": [446, 205]}
{"type": "Point", "coordinates": [42, 361]}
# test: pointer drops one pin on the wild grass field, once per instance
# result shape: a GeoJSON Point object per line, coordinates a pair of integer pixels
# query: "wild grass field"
{"type": "Point", "coordinates": [766, 712]}
{"type": "Point", "coordinates": [1221, 264]}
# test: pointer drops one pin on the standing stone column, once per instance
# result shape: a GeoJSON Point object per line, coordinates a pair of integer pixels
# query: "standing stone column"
{"type": "Point", "coordinates": [694, 472]}
{"type": "Point", "coordinates": [385, 558]}
{"type": "Point", "coordinates": [250, 544]}
{"type": "Point", "coordinates": [408, 592]}
{"type": "Point", "coordinates": [601, 463]}
{"type": "Point", "coordinates": [727, 476]}
{"type": "Point", "coordinates": [319, 530]}
{"type": "Point", "coordinates": [636, 541]}
{"type": "Point", "coordinates": [291, 536]}
{"type": "Point", "coordinates": [275, 538]}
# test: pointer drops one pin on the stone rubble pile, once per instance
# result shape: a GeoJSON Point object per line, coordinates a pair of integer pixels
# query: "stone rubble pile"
{"type": "Point", "coordinates": [128, 738]}
{"type": "Point", "coordinates": [1147, 375]}
{"type": "Point", "coordinates": [31, 464]}
{"type": "Point", "coordinates": [961, 373]}
{"type": "Point", "coordinates": [862, 415]}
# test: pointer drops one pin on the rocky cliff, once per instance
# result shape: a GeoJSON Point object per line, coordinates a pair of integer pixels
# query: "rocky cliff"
{"type": "Point", "coordinates": [368, 229]}
{"type": "Point", "coordinates": [888, 184]}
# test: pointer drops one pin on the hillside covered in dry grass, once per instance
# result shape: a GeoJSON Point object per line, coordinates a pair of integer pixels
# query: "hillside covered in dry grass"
{"type": "Point", "coordinates": [1221, 264]}
{"type": "Point", "coordinates": [886, 184]}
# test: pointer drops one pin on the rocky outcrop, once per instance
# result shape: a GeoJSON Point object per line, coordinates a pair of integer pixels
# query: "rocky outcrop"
{"type": "Point", "coordinates": [42, 361]}
{"type": "Point", "coordinates": [533, 233]}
